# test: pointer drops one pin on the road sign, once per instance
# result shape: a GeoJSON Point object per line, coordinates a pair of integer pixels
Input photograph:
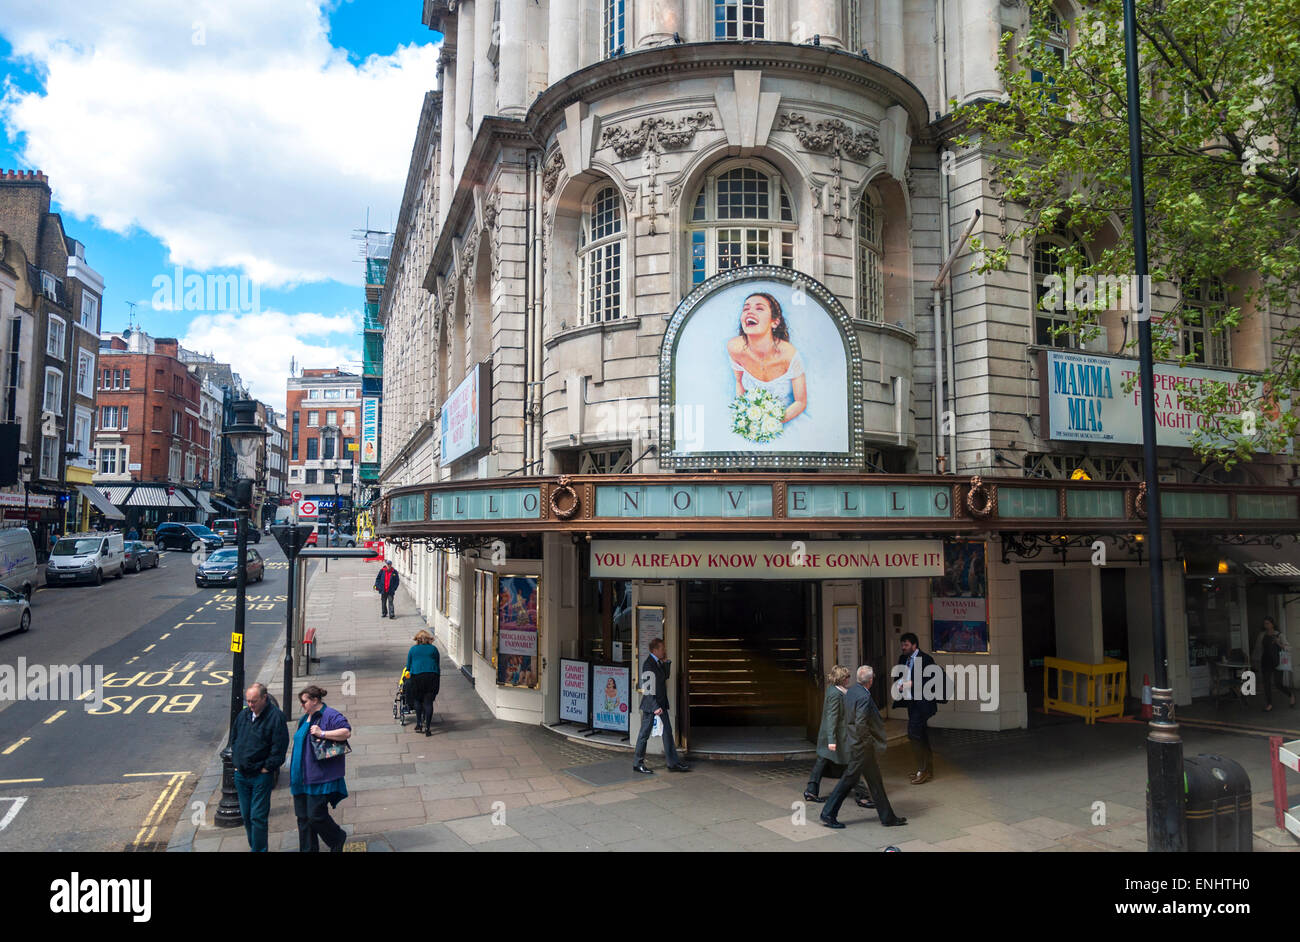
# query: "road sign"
{"type": "Point", "coordinates": [306, 508]}
{"type": "Point", "coordinates": [296, 495]}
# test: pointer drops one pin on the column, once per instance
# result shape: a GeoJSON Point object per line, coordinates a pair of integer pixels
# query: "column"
{"type": "Point", "coordinates": [656, 21]}
{"type": "Point", "coordinates": [464, 85]}
{"type": "Point", "coordinates": [447, 175]}
{"type": "Point", "coordinates": [816, 18]}
{"type": "Point", "coordinates": [485, 85]}
{"type": "Point", "coordinates": [981, 33]}
{"type": "Point", "coordinates": [511, 90]}
{"type": "Point", "coordinates": [890, 30]}
{"type": "Point", "coordinates": [562, 41]}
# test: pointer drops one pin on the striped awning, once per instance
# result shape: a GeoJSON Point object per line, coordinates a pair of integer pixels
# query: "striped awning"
{"type": "Point", "coordinates": [102, 503]}
{"type": "Point", "coordinates": [205, 502]}
{"type": "Point", "coordinates": [115, 493]}
{"type": "Point", "coordinates": [152, 495]}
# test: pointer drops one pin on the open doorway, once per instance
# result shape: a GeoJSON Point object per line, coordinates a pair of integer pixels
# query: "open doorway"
{"type": "Point", "coordinates": [1038, 634]}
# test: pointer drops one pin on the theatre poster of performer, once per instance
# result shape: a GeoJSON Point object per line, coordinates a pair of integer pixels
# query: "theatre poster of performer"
{"type": "Point", "coordinates": [959, 607]}
{"type": "Point", "coordinates": [517, 627]}
{"type": "Point", "coordinates": [761, 367]}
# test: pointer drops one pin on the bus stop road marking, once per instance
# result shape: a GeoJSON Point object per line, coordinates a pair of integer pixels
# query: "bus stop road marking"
{"type": "Point", "coordinates": [14, 748]}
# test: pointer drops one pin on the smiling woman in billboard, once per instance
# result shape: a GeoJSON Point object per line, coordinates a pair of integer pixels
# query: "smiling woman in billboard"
{"type": "Point", "coordinates": [764, 360]}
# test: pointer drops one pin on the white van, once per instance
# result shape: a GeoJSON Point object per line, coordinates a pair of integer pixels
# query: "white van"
{"type": "Point", "coordinates": [86, 557]}
{"type": "Point", "coordinates": [18, 561]}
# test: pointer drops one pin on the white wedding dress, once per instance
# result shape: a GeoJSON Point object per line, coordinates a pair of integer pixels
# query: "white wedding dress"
{"type": "Point", "coordinates": [782, 387]}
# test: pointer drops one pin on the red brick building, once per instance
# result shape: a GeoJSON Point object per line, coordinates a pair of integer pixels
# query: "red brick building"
{"type": "Point", "coordinates": [323, 413]}
{"type": "Point", "coordinates": [148, 430]}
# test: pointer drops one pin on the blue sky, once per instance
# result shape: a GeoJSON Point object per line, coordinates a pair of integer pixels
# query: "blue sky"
{"type": "Point", "coordinates": [242, 137]}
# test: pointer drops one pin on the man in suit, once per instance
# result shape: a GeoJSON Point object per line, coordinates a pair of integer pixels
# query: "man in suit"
{"type": "Point", "coordinates": [920, 707]}
{"type": "Point", "coordinates": [864, 737]}
{"type": "Point", "coordinates": [654, 702]}
{"type": "Point", "coordinates": [831, 750]}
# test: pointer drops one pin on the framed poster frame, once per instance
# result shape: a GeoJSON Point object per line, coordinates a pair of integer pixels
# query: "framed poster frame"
{"type": "Point", "coordinates": [856, 657]}
{"type": "Point", "coordinates": [496, 629]}
{"type": "Point", "coordinates": [940, 645]}
{"type": "Point", "coordinates": [585, 722]}
{"type": "Point", "coordinates": [484, 594]}
{"type": "Point", "coordinates": [641, 639]}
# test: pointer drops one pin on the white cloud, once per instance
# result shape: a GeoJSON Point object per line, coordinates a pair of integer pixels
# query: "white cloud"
{"type": "Point", "coordinates": [259, 346]}
{"type": "Point", "coordinates": [232, 131]}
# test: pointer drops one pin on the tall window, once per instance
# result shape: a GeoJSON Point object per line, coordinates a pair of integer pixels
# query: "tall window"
{"type": "Point", "coordinates": [293, 442]}
{"type": "Point", "coordinates": [85, 373]}
{"type": "Point", "coordinates": [1049, 294]}
{"type": "Point", "coordinates": [52, 401]}
{"type": "Point", "coordinates": [1205, 339]}
{"type": "Point", "coordinates": [90, 312]}
{"type": "Point", "coordinates": [108, 461]}
{"type": "Point", "coordinates": [600, 258]}
{"type": "Point", "coordinates": [871, 283]}
{"type": "Point", "coordinates": [313, 419]}
{"type": "Point", "coordinates": [174, 465]}
{"type": "Point", "coordinates": [49, 458]}
{"type": "Point", "coordinates": [313, 449]}
{"type": "Point", "coordinates": [738, 19]}
{"type": "Point", "coordinates": [81, 433]}
{"type": "Point", "coordinates": [311, 472]}
{"type": "Point", "coordinates": [126, 379]}
{"type": "Point", "coordinates": [1057, 47]}
{"type": "Point", "coordinates": [54, 338]}
{"type": "Point", "coordinates": [613, 25]}
{"type": "Point", "coordinates": [742, 216]}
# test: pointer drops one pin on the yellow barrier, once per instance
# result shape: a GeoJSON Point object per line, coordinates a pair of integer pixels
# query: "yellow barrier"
{"type": "Point", "coordinates": [1088, 690]}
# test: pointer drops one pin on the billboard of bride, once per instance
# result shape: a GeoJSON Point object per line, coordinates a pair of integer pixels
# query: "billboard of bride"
{"type": "Point", "coordinates": [760, 362]}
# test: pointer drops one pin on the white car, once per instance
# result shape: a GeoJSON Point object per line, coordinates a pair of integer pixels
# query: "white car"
{"type": "Point", "coordinates": [86, 557]}
{"type": "Point", "coordinates": [15, 611]}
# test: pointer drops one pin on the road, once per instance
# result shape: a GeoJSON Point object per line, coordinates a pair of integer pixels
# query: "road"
{"type": "Point", "coordinates": [114, 776]}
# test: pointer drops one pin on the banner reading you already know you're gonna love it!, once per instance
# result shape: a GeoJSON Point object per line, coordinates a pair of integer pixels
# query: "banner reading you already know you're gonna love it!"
{"type": "Point", "coordinates": [765, 559]}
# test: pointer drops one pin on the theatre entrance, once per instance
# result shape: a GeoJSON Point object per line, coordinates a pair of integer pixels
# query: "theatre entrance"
{"type": "Point", "coordinates": [749, 649]}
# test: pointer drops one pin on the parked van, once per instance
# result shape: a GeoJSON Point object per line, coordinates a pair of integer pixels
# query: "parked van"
{"type": "Point", "coordinates": [86, 557]}
{"type": "Point", "coordinates": [18, 561]}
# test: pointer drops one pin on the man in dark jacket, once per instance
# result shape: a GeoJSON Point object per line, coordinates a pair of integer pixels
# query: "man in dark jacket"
{"type": "Point", "coordinates": [920, 702]}
{"type": "Point", "coordinates": [654, 702]}
{"type": "Point", "coordinates": [386, 584]}
{"type": "Point", "coordinates": [257, 749]}
{"type": "Point", "coordinates": [831, 738]}
{"type": "Point", "coordinates": [865, 737]}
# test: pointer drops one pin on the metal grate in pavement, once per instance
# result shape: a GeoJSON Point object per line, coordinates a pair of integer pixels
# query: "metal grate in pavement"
{"type": "Point", "coordinates": [609, 772]}
{"type": "Point", "coordinates": [783, 773]}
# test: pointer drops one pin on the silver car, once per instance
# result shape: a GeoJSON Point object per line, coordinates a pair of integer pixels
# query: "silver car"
{"type": "Point", "coordinates": [15, 611]}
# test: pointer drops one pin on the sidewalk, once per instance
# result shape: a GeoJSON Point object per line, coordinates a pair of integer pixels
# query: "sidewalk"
{"type": "Point", "coordinates": [483, 784]}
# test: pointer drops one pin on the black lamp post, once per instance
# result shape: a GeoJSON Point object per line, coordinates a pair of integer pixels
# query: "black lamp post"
{"type": "Point", "coordinates": [1166, 825]}
{"type": "Point", "coordinates": [245, 435]}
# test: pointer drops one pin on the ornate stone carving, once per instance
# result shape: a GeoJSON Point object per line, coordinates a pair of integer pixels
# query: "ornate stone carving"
{"type": "Point", "coordinates": [831, 134]}
{"type": "Point", "coordinates": [551, 168]}
{"type": "Point", "coordinates": [656, 133]}
{"type": "Point", "coordinates": [840, 140]}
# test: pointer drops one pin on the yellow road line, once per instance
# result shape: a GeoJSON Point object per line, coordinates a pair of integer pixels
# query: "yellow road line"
{"type": "Point", "coordinates": [15, 746]}
{"type": "Point", "coordinates": [164, 636]}
{"type": "Point", "coordinates": [159, 810]}
{"type": "Point", "coordinates": [55, 717]}
{"type": "Point", "coordinates": [178, 625]}
{"type": "Point", "coordinates": [208, 666]}
{"type": "Point", "coordinates": [132, 660]}
{"type": "Point", "coordinates": [19, 781]}
{"type": "Point", "coordinates": [187, 618]}
{"type": "Point", "coordinates": [147, 774]}
{"type": "Point", "coordinates": [148, 649]}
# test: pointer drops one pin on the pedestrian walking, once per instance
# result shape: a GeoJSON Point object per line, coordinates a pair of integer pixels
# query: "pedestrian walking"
{"type": "Point", "coordinates": [386, 583]}
{"type": "Point", "coordinates": [131, 534]}
{"type": "Point", "coordinates": [316, 772]}
{"type": "Point", "coordinates": [654, 703]}
{"type": "Point", "coordinates": [864, 735]}
{"type": "Point", "coordinates": [424, 665]}
{"type": "Point", "coordinates": [1273, 651]}
{"type": "Point", "coordinates": [920, 701]}
{"type": "Point", "coordinates": [831, 752]}
{"type": "Point", "coordinates": [257, 749]}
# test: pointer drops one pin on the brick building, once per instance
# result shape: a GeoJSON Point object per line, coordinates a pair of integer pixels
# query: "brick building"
{"type": "Point", "coordinates": [150, 435]}
{"type": "Point", "coordinates": [323, 409]}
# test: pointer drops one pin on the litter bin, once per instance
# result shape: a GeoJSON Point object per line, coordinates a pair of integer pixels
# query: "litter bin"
{"type": "Point", "coordinates": [1217, 804]}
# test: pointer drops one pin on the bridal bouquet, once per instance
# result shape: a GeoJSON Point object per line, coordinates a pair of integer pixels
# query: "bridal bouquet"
{"type": "Point", "coordinates": [757, 416]}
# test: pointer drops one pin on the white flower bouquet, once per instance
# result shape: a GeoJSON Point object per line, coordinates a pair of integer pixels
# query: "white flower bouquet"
{"type": "Point", "coordinates": [757, 416]}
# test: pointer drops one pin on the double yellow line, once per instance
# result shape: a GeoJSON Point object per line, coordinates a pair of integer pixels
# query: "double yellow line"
{"type": "Point", "coordinates": [158, 813]}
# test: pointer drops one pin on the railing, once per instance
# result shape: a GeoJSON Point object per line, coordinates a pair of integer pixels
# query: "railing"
{"type": "Point", "coordinates": [1088, 690]}
{"type": "Point", "coordinates": [1285, 756]}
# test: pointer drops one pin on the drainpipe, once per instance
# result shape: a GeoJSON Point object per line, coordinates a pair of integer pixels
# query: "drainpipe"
{"type": "Point", "coordinates": [530, 211]}
{"type": "Point", "coordinates": [941, 37]}
{"type": "Point", "coordinates": [532, 392]}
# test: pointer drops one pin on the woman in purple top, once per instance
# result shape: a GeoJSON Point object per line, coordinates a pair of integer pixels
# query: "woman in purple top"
{"type": "Point", "coordinates": [317, 784]}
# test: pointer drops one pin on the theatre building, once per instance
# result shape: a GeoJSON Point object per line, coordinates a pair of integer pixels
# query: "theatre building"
{"type": "Point", "coordinates": [664, 357]}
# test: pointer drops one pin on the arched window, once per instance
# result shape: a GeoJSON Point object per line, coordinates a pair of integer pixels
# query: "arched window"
{"type": "Point", "coordinates": [1205, 339]}
{"type": "Point", "coordinates": [1051, 286]}
{"type": "Point", "coordinates": [613, 26]}
{"type": "Point", "coordinates": [871, 282]}
{"type": "Point", "coordinates": [600, 257]}
{"type": "Point", "coordinates": [739, 19]}
{"type": "Point", "coordinates": [741, 216]}
{"type": "Point", "coordinates": [1057, 46]}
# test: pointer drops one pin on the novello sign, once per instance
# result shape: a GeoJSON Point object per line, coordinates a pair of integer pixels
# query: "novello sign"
{"type": "Point", "coordinates": [765, 559]}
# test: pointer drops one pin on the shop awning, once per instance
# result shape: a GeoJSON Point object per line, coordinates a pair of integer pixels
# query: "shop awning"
{"type": "Point", "coordinates": [151, 495]}
{"type": "Point", "coordinates": [115, 493]}
{"type": "Point", "coordinates": [223, 506]}
{"type": "Point", "coordinates": [1266, 563]}
{"type": "Point", "coordinates": [205, 502]}
{"type": "Point", "coordinates": [100, 502]}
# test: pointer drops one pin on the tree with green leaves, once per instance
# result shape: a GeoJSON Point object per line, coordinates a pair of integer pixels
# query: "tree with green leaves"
{"type": "Point", "coordinates": [1220, 103]}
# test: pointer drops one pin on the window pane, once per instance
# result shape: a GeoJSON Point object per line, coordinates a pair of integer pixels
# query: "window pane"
{"type": "Point", "coordinates": [698, 254]}
{"type": "Point", "coordinates": [743, 194]}
{"type": "Point", "coordinates": [606, 214]}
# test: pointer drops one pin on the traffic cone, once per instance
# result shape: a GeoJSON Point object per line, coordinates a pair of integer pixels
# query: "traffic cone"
{"type": "Point", "coordinates": [1146, 698]}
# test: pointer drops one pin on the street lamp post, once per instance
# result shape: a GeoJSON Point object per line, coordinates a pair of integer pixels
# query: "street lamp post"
{"type": "Point", "coordinates": [244, 436]}
{"type": "Point", "coordinates": [1166, 825]}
